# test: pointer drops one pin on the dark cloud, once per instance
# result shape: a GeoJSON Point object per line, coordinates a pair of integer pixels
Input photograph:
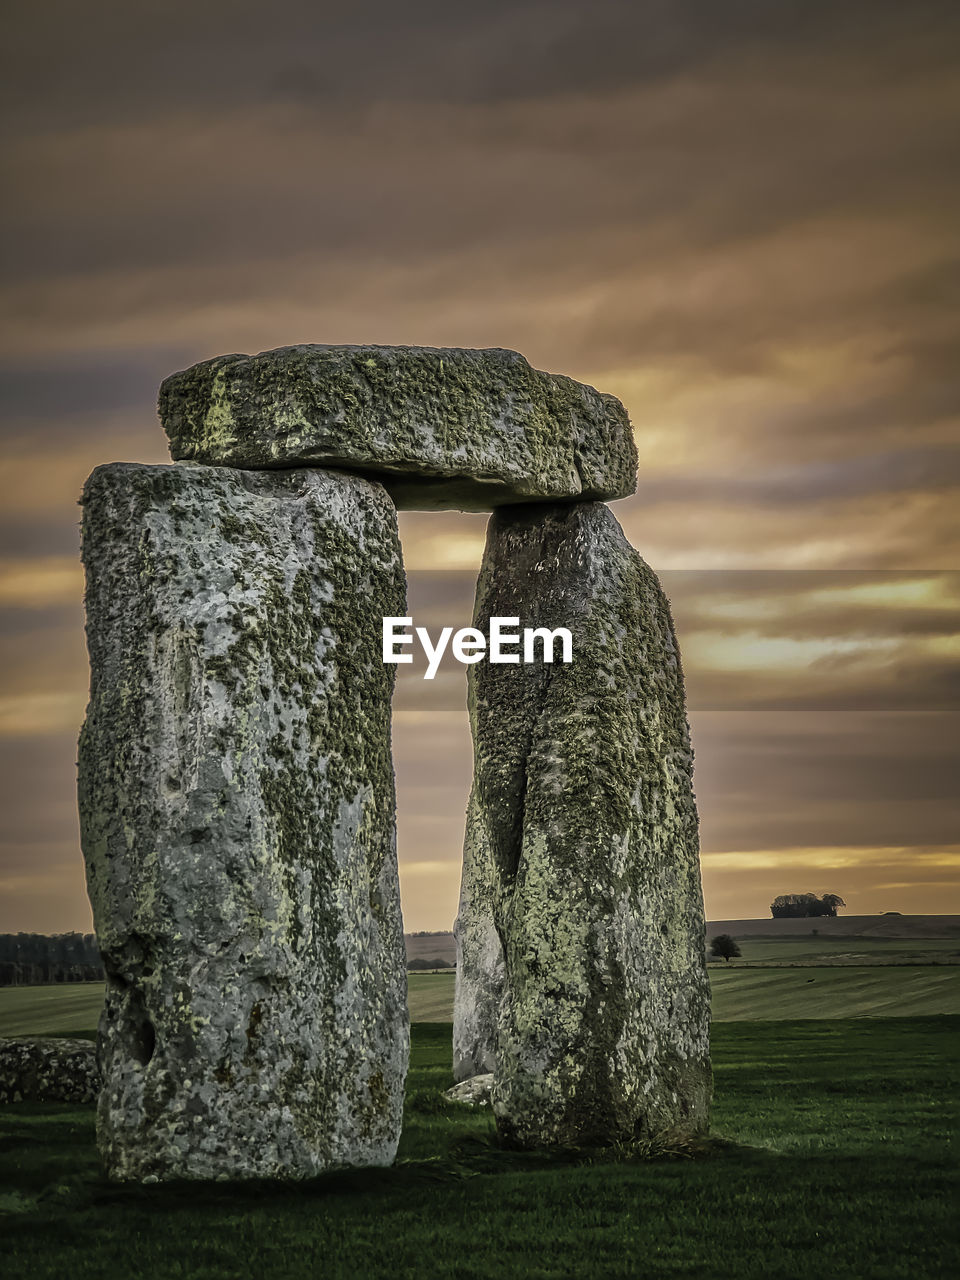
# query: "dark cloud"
{"type": "Point", "coordinates": [773, 780]}
{"type": "Point", "coordinates": [56, 622]}
{"type": "Point", "coordinates": [862, 639]}
{"type": "Point", "coordinates": [65, 61]}
{"type": "Point", "coordinates": [45, 655]}
{"type": "Point", "coordinates": [815, 603]}
{"type": "Point", "coordinates": [705, 123]}
{"type": "Point", "coordinates": [38, 780]}
{"type": "Point", "coordinates": [54, 394]}
{"type": "Point", "coordinates": [738, 216]}
{"type": "Point", "coordinates": [30, 536]}
{"type": "Point", "coordinates": [892, 471]}
{"type": "Point", "coordinates": [831, 684]}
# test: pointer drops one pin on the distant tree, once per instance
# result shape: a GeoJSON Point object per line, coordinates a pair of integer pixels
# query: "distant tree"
{"type": "Point", "coordinates": [36, 958]}
{"type": "Point", "coordinates": [794, 905]}
{"type": "Point", "coordinates": [829, 903]}
{"type": "Point", "coordinates": [801, 905]}
{"type": "Point", "coordinates": [724, 947]}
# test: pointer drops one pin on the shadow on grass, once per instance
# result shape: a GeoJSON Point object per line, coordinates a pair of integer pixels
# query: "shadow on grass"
{"type": "Point", "coordinates": [464, 1156]}
{"type": "Point", "coordinates": [845, 1182]}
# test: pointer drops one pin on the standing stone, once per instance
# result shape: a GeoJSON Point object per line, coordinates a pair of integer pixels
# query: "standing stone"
{"type": "Point", "coordinates": [237, 815]}
{"type": "Point", "coordinates": [583, 794]}
{"type": "Point", "coordinates": [440, 427]}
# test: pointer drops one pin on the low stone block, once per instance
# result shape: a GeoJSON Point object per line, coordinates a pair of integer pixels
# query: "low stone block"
{"type": "Point", "coordinates": [472, 1092]}
{"type": "Point", "coordinates": [440, 427]}
{"type": "Point", "coordinates": [237, 819]}
{"type": "Point", "coordinates": [48, 1069]}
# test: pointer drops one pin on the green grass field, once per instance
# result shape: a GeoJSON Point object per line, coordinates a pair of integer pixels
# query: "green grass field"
{"type": "Point", "coordinates": [836, 1163]}
{"type": "Point", "coordinates": [758, 994]}
{"type": "Point", "coordinates": [846, 991]}
{"type": "Point", "coordinates": [841, 992]}
{"type": "Point", "coordinates": [53, 1011]}
{"type": "Point", "coordinates": [820, 950]}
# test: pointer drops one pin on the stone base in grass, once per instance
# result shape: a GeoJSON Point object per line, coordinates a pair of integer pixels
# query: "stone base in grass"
{"type": "Point", "coordinates": [474, 1092]}
{"type": "Point", "coordinates": [48, 1070]}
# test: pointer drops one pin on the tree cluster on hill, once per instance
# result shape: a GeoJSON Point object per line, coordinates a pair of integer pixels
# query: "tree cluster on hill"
{"type": "Point", "coordinates": [800, 905]}
{"type": "Point", "coordinates": [435, 963]}
{"type": "Point", "coordinates": [33, 959]}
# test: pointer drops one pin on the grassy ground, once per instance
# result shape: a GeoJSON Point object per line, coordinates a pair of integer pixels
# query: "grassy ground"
{"type": "Point", "coordinates": [841, 992]}
{"type": "Point", "coordinates": [821, 951]}
{"type": "Point", "coordinates": [838, 1165]}
{"type": "Point", "coordinates": [52, 1011]}
{"type": "Point", "coordinates": [871, 937]}
{"type": "Point", "coordinates": [757, 994]}
{"type": "Point", "coordinates": [430, 996]}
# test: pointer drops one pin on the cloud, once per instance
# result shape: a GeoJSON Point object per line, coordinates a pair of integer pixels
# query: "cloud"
{"type": "Point", "coordinates": [826, 779]}
{"type": "Point", "coordinates": [441, 541]}
{"type": "Point", "coordinates": [760, 639]}
{"type": "Point", "coordinates": [40, 713]}
{"type": "Point", "coordinates": [890, 472]}
{"type": "Point", "coordinates": [738, 218]}
{"type": "Point", "coordinates": [868, 886]}
{"type": "Point", "coordinates": [40, 581]}
{"type": "Point", "coordinates": [812, 861]}
{"type": "Point", "coordinates": [427, 51]}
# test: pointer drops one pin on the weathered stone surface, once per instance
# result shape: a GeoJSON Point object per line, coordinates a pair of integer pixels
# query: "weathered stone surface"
{"type": "Point", "coordinates": [41, 1069]}
{"type": "Point", "coordinates": [237, 816]}
{"type": "Point", "coordinates": [583, 793]}
{"type": "Point", "coordinates": [479, 982]}
{"type": "Point", "coordinates": [440, 427]}
{"type": "Point", "coordinates": [473, 1092]}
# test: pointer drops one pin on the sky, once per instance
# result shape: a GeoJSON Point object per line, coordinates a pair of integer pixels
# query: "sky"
{"type": "Point", "coordinates": [740, 218]}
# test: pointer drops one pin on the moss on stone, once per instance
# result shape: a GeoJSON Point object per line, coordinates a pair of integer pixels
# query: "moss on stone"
{"type": "Point", "coordinates": [237, 819]}
{"type": "Point", "coordinates": [583, 790]}
{"type": "Point", "coordinates": [437, 426]}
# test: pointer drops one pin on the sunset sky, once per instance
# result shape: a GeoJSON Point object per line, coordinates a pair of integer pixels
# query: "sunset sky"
{"type": "Point", "coordinates": [740, 217]}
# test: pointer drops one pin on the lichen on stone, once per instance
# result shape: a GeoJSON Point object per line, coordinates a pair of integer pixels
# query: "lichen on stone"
{"type": "Point", "coordinates": [237, 820]}
{"type": "Point", "coordinates": [440, 427]}
{"type": "Point", "coordinates": [48, 1069]}
{"type": "Point", "coordinates": [582, 849]}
